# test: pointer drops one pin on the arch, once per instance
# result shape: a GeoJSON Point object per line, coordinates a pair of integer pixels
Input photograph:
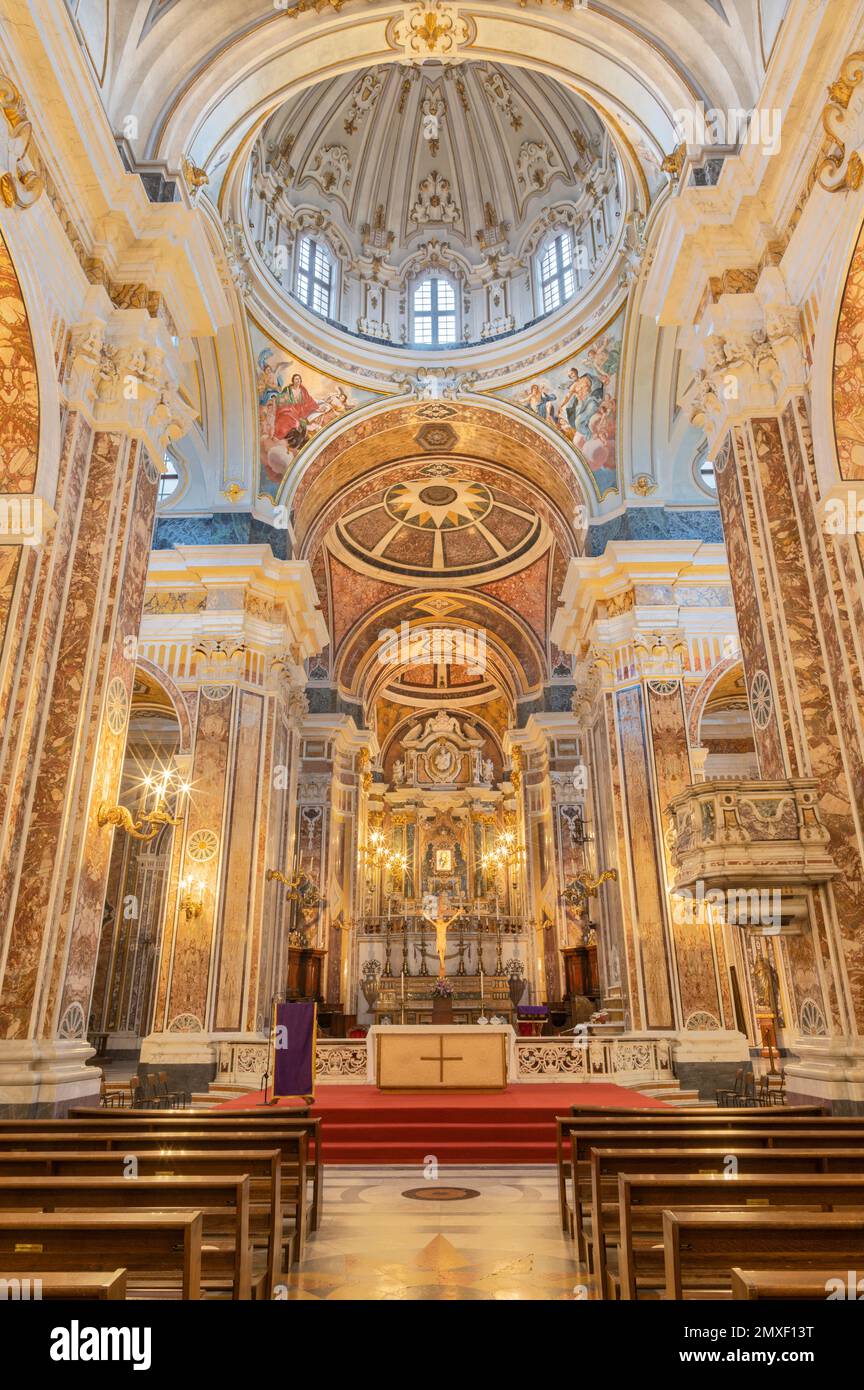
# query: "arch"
{"type": "Point", "coordinates": [566, 479]}
{"type": "Point", "coordinates": [237, 83]}
{"type": "Point", "coordinates": [703, 691]}
{"type": "Point", "coordinates": [30, 422]}
{"type": "Point", "coordinates": [175, 697]}
{"type": "Point", "coordinates": [838, 378]}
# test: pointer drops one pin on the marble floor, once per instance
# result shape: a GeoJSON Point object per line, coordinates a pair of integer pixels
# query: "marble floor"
{"type": "Point", "coordinates": [505, 1243]}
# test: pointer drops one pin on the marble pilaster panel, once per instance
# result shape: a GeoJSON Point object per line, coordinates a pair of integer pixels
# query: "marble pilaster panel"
{"type": "Point", "coordinates": [67, 710]}
{"type": "Point", "coordinates": [648, 890]}
{"type": "Point", "coordinates": [692, 941]}
{"type": "Point", "coordinates": [242, 874]}
{"type": "Point", "coordinates": [616, 836]}
{"type": "Point", "coordinates": [754, 653]}
{"type": "Point", "coordinates": [192, 943]}
{"type": "Point", "coordinates": [106, 738]}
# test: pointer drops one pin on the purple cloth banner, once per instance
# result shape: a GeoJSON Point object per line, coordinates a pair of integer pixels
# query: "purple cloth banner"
{"type": "Point", "coordinates": [294, 1050]}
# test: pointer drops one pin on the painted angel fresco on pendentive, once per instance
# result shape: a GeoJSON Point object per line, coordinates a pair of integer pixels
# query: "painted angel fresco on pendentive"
{"type": "Point", "coordinates": [295, 404]}
{"type": "Point", "coordinates": [579, 399]}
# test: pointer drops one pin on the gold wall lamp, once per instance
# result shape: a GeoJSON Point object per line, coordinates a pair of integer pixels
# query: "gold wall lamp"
{"type": "Point", "coordinates": [146, 824]}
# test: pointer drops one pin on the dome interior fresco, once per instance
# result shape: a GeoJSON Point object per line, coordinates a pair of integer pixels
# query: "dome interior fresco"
{"type": "Point", "coordinates": [459, 172]}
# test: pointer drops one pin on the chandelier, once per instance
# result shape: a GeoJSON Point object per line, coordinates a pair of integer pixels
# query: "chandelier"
{"type": "Point", "coordinates": [505, 851]}
{"type": "Point", "coordinates": [380, 856]}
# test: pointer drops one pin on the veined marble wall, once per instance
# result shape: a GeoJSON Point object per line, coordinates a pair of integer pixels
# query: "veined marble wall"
{"type": "Point", "coordinates": [798, 645]}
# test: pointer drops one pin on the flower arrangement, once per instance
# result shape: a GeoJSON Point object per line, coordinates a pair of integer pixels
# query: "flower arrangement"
{"type": "Point", "coordinates": [443, 989]}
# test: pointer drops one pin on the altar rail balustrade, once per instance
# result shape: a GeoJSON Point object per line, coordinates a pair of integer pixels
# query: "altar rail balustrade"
{"type": "Point", "coordinates": [627, 1060]}
{"type": "Point", "coordinates": [732, 834]}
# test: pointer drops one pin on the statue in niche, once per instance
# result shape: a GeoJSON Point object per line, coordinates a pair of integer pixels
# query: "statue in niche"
{"type": "Point", "coordinates": [398, 773]}
{"type": "Point", "coordinates": [488, 770]}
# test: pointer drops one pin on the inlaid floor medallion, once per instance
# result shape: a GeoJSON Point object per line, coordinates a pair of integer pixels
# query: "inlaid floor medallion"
{"type": "Point", "coordinates": [440, 1194]}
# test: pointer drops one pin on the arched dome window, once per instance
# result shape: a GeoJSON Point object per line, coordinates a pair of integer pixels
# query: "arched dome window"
{"type": "Point", "coordinates": [169, 479]}
{"type": "Point", "coordinates": [556, 271]}
{"type": "Point", "coordinates": [433, 309]}
{"type": "Point", "coordinates": [315, 276]}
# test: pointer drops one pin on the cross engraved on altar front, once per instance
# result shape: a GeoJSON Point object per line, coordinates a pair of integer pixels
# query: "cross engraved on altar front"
{"type": "Point", "coordinates": [441, 1059]}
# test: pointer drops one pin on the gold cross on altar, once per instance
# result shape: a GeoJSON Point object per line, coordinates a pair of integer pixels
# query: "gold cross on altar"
{"type": "Point", "coordinates": [441, 1059]}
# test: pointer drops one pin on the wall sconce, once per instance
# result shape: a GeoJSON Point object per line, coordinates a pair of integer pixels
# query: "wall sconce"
{"type": "Point", "coordinates": [583, 886]}
{"type": "Point", "coordinates": [191, 897]}
{"type": "Point", "coordinates": [154, 813]}
{"type": "Point", "coordinates": [299, 888]}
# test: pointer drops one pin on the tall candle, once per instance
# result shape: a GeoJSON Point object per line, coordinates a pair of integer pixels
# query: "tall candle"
{"type": "Point", "coordinates": [481, 983]}
{"type": "Point", "coordinates": [403, 982]}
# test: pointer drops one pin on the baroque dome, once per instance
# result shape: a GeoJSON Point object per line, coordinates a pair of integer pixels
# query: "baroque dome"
{"type": "Point", "coordinates": [462, 171]}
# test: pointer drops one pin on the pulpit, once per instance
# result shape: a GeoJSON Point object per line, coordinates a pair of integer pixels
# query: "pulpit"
{"type": "Point", "coordinates": [580, 971]}
{"type": "Point", "coordinates": [305, 970]}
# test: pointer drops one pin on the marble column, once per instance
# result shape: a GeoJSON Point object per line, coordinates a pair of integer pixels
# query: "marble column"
{"type": "Point", "coordinates": [647, 621]}
{"type": "Point", "coordinates": [68, 698]}
{"type": "Point", "coordinates": [798, 596]}
{"type": "Point", "coordinates": [239, 662]}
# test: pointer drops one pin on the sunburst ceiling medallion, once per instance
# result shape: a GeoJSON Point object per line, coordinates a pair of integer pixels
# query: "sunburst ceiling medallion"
{"type": "Point", "coordinates": [438, 503]}
{"type": "Point", "coordinates": [440, 525]}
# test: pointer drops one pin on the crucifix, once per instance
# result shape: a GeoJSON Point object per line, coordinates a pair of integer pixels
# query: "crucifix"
{"type": "Point", "coordinates": [441, 924]}
{"type": "Point", "coordinates": [441, 1059]}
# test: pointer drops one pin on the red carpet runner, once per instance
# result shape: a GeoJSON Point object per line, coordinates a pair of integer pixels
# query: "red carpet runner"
{"type": "Point", "coordinates": [364, 1125]}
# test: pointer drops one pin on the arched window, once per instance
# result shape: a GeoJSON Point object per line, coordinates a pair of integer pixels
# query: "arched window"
{"type": "Point", "coordinates": [169, 479]}
{"type": "Point", "coordinates": [557, 272]}
{"type": "Point", "coordinates": [434, 309]}
{"type": "Point", "coordinates": [315, 276]}
{"type": "Point", "coordinates": [704, 473]}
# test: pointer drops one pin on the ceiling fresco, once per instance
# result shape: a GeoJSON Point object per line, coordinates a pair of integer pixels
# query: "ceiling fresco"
{"type": "Point", "coordinates": [579, 399]}
{"type": "Point", "coordinates": [440, 524]}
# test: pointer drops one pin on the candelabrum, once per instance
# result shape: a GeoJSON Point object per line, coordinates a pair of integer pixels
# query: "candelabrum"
{"type": "Point", "coordinates": [157, 788]}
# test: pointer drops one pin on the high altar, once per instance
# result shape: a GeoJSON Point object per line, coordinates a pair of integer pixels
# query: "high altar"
{"type": "Point", "coordinates": [437, 1057]}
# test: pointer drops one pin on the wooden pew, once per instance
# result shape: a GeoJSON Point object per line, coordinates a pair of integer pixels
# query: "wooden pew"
{"type": "Point", "coordinates": [779, 1284]}
{"type": "Point", "coordinates": [262, 1167]}
{"type": "Point", "coordinates": [162, 1245]}
{"type": "Point", "coordinates": [279, 1117]}
{"type": "Point", "coordinates": [701, 1247]}
{"type": "Point", "coordinates": [647, 1117]}
{"type": "Point", "coordinates": [607, 1164]}
{"type": "Point", "coordinates": [796, 1285]}
{"type": "Point", "coordinates": [825, 1132]}
{"type": "Point", "coordinates": [52, 1285]}
{"type": "Point", "coordinates": [121, 1140]}
{"type": "Point", "coordinates": [222, 1202]}
{"type": "Point", "coordinates": [642, 1199]}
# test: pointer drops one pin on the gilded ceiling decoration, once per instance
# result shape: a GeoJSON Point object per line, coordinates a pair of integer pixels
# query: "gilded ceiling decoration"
{"type": "Point", "coordinates": [439, 523]}
{"type": "Point", "coordinates": [434, 144]}
{"type": "Point", "coordinates": [491, 447]}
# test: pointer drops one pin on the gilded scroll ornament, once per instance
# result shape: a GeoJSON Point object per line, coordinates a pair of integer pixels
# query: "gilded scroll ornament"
{"type": "Point", "coordinates": [838, 171]}
{"type": "Point", "coordinates": [23, 187]}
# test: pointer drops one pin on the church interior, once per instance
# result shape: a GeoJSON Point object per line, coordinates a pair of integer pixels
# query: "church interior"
{"type": "Point", "coordinates": [431, 649]}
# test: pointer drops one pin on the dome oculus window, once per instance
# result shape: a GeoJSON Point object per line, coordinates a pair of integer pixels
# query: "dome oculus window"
{"type": "Point", "coordinates": [557, 272]}
{"type": "Point", "coordinates": [169, 479]}
{"type": "Point", "coordinates": [315, 276]}
{"type": "Point", "coordinates": [434, 308]}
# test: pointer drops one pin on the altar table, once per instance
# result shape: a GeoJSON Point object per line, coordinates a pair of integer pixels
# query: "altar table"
{"type": "Point", "coordinates": [441, 1057]}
